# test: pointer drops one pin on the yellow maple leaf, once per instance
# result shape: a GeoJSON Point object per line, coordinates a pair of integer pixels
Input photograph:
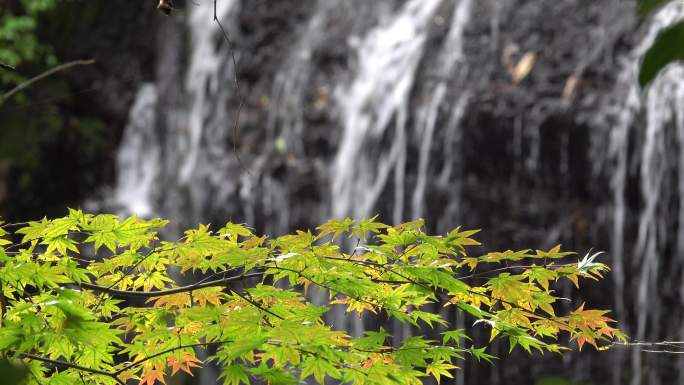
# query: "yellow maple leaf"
{"type": "Point", "coordinates": [209, 295]}
{"type": "Point", "coordinates": [179, 300]}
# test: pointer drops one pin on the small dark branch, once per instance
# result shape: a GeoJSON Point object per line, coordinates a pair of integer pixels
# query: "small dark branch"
{"type": "Point", "coordinates": [161, 293]}
{"type": "Point", "coordinates": [3, 304]}
{"type": "Point", "coordinates": [7, 67]}
{"type": "Point", "coordinates": [257, 305]}
{"type": "Point", "coordinates": [249, 299]}
{"type": "Point", "coordinates": [359, 261]}
{"type": "Point", "coordinates": [328, 287]}
{"type": "Point", "coordinates": [427, 287]}
{"type": "Point", "coordinates": [48, 73]}
{"type": "Point", "coordinates": [485, 274]}
{"type": "Point", "coordinates": [170, 350]}
{"type": "Point", "coordinates": [70, 365]}
{"type": "Point", "coordinates": [128, 272]}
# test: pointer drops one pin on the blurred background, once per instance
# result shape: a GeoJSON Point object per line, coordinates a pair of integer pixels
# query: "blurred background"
{"type": "Point", "coordinates": [521, 117]}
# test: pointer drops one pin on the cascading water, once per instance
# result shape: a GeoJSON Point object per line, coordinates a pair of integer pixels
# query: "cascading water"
{"type": "Point", "coordinates": [388, 58]}
{"type": "Point", "coordinates": [139, 157]}
{"type": "Point", "coordinates": [205, 159]}
{"type": "Point", "coordinates": [402, 102]}
{"type": "Point", "coordinates": [662, 100]}
{"type": "Point", "coordinates": [451, 54]}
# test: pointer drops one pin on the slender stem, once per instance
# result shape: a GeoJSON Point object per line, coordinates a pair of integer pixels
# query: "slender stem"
{"type": "Point", "coordinates": [3, 303]}
{"type": "Point", "coordinates": [48, 73]}
{"type": "Point", "coordinates": [238, 91]}
{"type": "Point", "coordinates": [170, 350]}
{"type": "Point", "coordinates": [7, 67]}
{"type": "Point", "coordinates": [485, 273]}
{"type": "Point", "coordinates": [74, 366]}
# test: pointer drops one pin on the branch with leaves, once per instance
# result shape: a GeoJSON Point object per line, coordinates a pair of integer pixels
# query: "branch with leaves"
{"type": "Point", "coordinates": [90, 296]}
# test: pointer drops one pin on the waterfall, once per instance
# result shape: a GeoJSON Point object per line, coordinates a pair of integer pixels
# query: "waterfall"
{"type": "Point", "coordinates": [286, 120]}
{"type": "Point", "coordinates": [205, 159]}
{"type": "Point", "coordinates": [451, 54]}
{"type": "Point", "coordinates": [660, 101]}
{"type": "Point", "coordinates": [139, 157]}
{"type": "Point", "coordinates": [388, 58]}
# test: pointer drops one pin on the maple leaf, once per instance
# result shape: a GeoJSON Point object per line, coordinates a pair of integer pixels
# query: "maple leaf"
{"type": "Point", "coordinates": [439, 369]}
{"type": "Point", "coordinates": [191, 328]}
{"type": "Point", "coordinates": [185, 363]}
{"type": "Point", "coordinates": [128, 375]}
{"type": "Point", "coordinates": [151, 376]}
{"type": "Point", "coordinates": [335, 227]}
{"type": "Point", "coordinates": [179, 300]}
{"type": "Point", "coordinates": [209, 295]}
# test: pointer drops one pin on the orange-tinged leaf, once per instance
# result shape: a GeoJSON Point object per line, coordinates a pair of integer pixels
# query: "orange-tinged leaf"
{"type": "Point", "coordinates": [185, 363]}
{"type": "Point", "coordinates": [191, 328]}
{"type": "Point", "coordinates": [151, 376]}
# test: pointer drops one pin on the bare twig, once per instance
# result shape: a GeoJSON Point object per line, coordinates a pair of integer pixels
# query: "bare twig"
{"type": "Point", "coordinates": [662, 347]}
{"type": "Point", "coordinates": [65, 364]}
{"type": "Point", "coordinates": [48, 73]}
{"type": "Point", "coordinates": [3, 304]}
{"type": "Point", "coordinates": [7, 67]}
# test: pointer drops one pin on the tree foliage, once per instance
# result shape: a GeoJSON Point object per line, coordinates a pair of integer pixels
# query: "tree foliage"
{"type": "Point", "coordinates": [91, 299]}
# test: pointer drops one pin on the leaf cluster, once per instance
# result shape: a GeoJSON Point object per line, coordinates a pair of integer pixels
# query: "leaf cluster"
{"type": "Point", "coordinates": [93, 299]}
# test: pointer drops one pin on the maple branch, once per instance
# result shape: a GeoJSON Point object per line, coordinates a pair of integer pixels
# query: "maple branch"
{"type": "Point", "coordinates": [161, 293]}
{"type": "Point", "coordinates": [255, 304]}
{"type": "Point", "coordinates": [327, 287]}
{"type": "Point", "coordinates": [131, 269]}
{"type": "Point", "coordinates": [482, 274]}
{"type": "Point", "coordinates": [206, 344]}
{"type": "Point", "coordinates": [113, 375]}
{"type": "Point", "coordinates": [434, 290]}
{"type": "Point", "coordinates": [169, 350]}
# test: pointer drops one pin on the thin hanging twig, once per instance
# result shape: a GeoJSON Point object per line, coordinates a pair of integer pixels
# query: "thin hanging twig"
{"type": "Point", "coordinates": [238, 91]}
